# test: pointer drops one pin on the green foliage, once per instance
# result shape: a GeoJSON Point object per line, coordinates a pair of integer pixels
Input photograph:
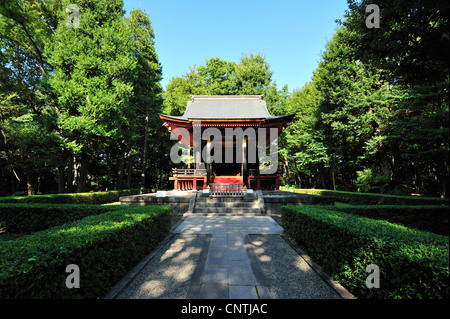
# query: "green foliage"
{"type": "Point", "coordinates": [74, 94]}
{"type": "Point", "coordinates": [74, 198]}
{"type": "Point", "coordinates": [429, 218]}
{"type": "Point", "coordinates": [371, 182]}
{"type": "Point", "coordinates": [413, 263]}
{"type": "Point", "coordinates": [27, 218]}
{"type": "Point", "coordinates": [217, 76]}
{"type": "Point", "coordinates": [77, 105]}
{"type": "Point", "coordinates": [105, 247]}
{"type": "Point", "coordinates": [92, 75]}
{"type": "Point", "coordinates": [411, 50]}
{"type": "Point", "coordinates": [379, 104]}
{"type": "Point", "coordinates": [411, 44]}
{"type": "Point", "coordinates": [251, 76]}
{"type": "Point", "coordinates": [374, 199]}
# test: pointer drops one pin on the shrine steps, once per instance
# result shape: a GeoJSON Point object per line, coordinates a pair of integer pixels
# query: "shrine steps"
{"type": "Point", "coordinates": [218, 206]}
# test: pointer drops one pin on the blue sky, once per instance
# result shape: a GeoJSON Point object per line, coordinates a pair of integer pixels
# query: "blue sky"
{"type": "Point", "coordinates": [291, 33]}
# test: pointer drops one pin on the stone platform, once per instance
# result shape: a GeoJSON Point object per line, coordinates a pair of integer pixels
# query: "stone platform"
{"type": "Point", "coordinates": [192, 201]}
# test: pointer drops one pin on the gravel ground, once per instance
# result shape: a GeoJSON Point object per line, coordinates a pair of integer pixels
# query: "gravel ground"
{"type": "Point", "coordinates": [168, 274]}
{"type": "Point", "coordinates": [287, 274]}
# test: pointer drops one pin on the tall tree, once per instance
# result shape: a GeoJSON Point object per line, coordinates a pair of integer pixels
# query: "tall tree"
{"type": "Point", "coordinates": [352, 107]}
{"type": "Point", "coordinates": [217, 76]}
{"type": "Point", "coordinates": [412, 48]}
{"type": "Point", "coordinates": [25, 29]}
{"type": "Point", "coordinates": [252, 75]}
{"type": "Point", "coordinates": [93, 79]}
{"type": "Point", "coordinates": [147, 92]}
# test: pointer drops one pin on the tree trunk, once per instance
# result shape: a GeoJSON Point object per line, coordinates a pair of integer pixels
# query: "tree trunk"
{"type": "Point", "coordinates": [442, 176]}
{"type": "Point", "coordinates": [345, 161]}
{"type": "Point", "coordinates": [83, 174]}
{"type": "Point", "coordinates": [130, 170]}
{"type": "Point", "coordinates": [61, 167]}
{"type": "Point", "coordinates": [322, 176]}
{"type": "Point", "coordinates": [120, 171]}
{"type": "Point", "coordinates": [298, 175]}
{"type": "Point", "coordinates": [70, 166]}
{"type": "Point", "coordinates": [334, 180]}
{"type": "Point", "coordinates": [386, 166]}
{"type": "Point", "coordinates": [31, 189]}
{"type": "Point", "coordinates": [288, 173]}
{"type": "Point", "coordinates": [76, 167]}
{"type": "Point", "coordinates": [144, 154]}
{"type": "Point", "coordinates": [13, 182]}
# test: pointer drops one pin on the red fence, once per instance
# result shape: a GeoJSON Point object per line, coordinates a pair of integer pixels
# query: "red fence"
{"type": "Point", "coordinates": [227, 189]}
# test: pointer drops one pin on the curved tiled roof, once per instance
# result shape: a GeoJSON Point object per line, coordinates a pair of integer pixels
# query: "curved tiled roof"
{"type": "Point", "coordinates": [226, 107]}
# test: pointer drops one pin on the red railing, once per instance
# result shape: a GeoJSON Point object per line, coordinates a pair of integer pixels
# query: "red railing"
{"type": "Point", "coordinates": [189, 171]}
{"type": "Point", "coordinates": [226, 189]}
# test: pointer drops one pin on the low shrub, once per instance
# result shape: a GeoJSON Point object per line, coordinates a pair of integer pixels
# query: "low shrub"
{"type": "Point", "coordinates": [26, 218]}
{"type": "Point", "coordinates": [373, 199]}
{"type": "Point", "coordinates": [428, 218]}
{"type": "Point", "coordinates": [73, 198]}
{"type": "Point", "coordinates": [369, 181]}
{"type": "Point", "coordinates": [104, 247]}
{"type": "Point", "coordinates": [412, 263]}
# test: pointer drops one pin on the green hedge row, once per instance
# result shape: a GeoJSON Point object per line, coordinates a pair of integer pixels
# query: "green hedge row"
{"type": "Point", "coordinates": [26, 218]}
{"type": "Point", "coordinates": [73, 198]}
{"type": "Point", "coordinates": [428, 218]}
{"type": "Point", "coordinates": [104, 247]}
{"type": "Point", "coordinates": [374, 199]}
{"type": "Point", "coordinates": [412, 263]}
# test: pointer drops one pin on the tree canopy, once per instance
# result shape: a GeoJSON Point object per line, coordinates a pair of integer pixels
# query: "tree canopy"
{"type": "Point", "coordinates": [79, 102]}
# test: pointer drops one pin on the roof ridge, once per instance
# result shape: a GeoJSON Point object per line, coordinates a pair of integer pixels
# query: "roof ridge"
{"type": "Point", "coordinates": [226, 97]}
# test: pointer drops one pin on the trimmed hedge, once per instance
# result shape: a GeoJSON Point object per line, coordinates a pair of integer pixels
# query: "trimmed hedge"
{"type": "Point", "coordinates": [27, 218]}
{"type": "Point", "coordinates": [428, 218]}
{"type": "Point", "coordinates": [105, 247]}
{"type": "Point", "coordinates": [412, 263]}
{"type": "Point", "coordinates": [73, 198]}
{"type": "Point", "coordinates": [374, 199]}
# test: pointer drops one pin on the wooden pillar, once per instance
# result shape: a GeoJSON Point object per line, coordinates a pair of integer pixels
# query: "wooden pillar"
{"type": "Point", "coordinates": [194, 185]}
{"type": "Point", "coordinates": [189, 156]}
{"type": "Point", "coordinates": [208, 165]}
{"type": "Point", "coordinates": [244, 162]}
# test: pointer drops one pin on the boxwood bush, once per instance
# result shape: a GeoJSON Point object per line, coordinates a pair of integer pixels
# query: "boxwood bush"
{"type": "Point", "coordinates": [104, 247]}
{"type": "Point", "coordinates": [428, 218]}
{"type": "Point", "coordinates": [26, 218]}
{"type": "Point", "coordinates": [412, 263]}
{"type": "Point", "coordinates": [73, 198]}
{"type": "Point", "coordinates": [374, 199]}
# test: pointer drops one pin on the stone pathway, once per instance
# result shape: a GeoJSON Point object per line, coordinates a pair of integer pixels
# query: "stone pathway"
{"type": "Point", "coordinates": [224, 257]}
{"type": "Point", "coordinates": [228, 271]}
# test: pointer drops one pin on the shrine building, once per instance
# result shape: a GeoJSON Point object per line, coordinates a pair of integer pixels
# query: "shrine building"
{"type": "Point", "coordinates": [222, 112]}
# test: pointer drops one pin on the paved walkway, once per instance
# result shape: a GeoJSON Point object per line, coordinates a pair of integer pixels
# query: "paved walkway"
{"type": "Point", "coordinates": [216, 257]}
{"type": "Point", "coordinates": [228, 271]}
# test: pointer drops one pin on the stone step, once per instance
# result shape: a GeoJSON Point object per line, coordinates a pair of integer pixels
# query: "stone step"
{"type": "Point", "coordinates": [227, 210]}
{"type": "Point", "coordinates": [227, 214]}
{"type": "Point", "coordinates": [226, 199]}
{"type": "Point", "coordinates": [234, 204]}
{"type": "Point", "coordinates": [206, 195]}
